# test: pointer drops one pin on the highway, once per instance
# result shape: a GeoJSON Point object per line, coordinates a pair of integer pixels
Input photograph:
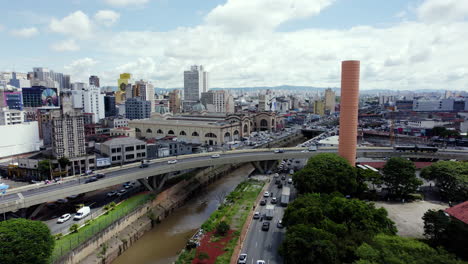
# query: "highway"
{"type": "Point", "coordinates": [27, 196]}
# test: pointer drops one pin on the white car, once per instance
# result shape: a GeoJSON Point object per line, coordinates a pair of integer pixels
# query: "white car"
{"type": "Point", "coordinates": [276, 175]}
{"type": "Point", "coordinates": [289, 181]}
{"type": "Point", "coordinates": [266, 194]}
{"type": "Point", "coordinates": [172, 161]}
{"type": "Point", "coordinates": [242, 259]}
{"type": "Point", "coordinates": [261, 262]}
{"type": "Point", "coordinates": [64, 218]}
{"type": "Point", "coordinates": [214, 156]}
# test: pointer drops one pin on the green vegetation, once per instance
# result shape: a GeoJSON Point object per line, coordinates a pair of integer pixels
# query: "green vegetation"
{"type": "Point", "coordinates": [74, 239]}
{"type": "Point", "coordinates": [43, 167]}
{"type": "Point", "coordinates": [222, 228]}
{"type": "Point", "coordinates": [443, 230]}
{"type": "Point", "coordinates": [451, 179]}
{"type": "Point", "coordinates": [400, 177]}
{"type": "Point", "coordinates": [25, 241]}
{"type": "Point", "coordinates": [399, 250]}
{"type": "Point", "coordinates": [203, 256]}
{"type": "Point", "coordinates": [186, 256]}
{"type": "Point", "coordinates": [326, 173]}
{"type": "Point", "coordinates": [73, 228]}
{"type": "Point", "coordinates": [444, 132]}
{"type": "Point", "coordinates": [328, 228]}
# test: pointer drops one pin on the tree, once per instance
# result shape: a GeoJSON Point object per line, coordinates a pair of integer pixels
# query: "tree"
{"type": "Point", "coordinates": [222, 228]}
{"type": "Point", "coordinates": [25, 241]}
{"type": "Point", "coordinates": [350, 222]}
{"type": "Point", "coordinates": [43, 167]}
{"type": "Point", "coordinates": [451, 179]}
{"type": "Point", "coordinates": [400, 177]}
{"type": "Point", "coordinates": [326, 173]}
{"type": "Point", "coordinates": [73, 228]}
{"type": "Point", "coordinates": [63, 162]}
{"type": "Point", "coordinates": [400, 250]}
{"type": "Point", "coordinates": [442, 230]}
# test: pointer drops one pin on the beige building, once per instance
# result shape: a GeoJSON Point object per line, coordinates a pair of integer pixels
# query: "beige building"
{"type": "Point", "coordinates": [204, 128]}
{"type": "Point", "coordinates": [122, 131]}
{"type": "Point", "coordinates": [174, 101]}
{"type": "Point", "coordinates": [330, 101]}
{"type": "Point", "coordinates": [319, 107]}
{"type": "Point", "coordinates": [123, 150]}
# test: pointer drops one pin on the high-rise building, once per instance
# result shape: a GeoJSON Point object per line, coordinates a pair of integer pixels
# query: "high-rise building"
{"type": "Point", "coordinates": [94, 80]}
{"type": "Point", "coordinates": [329, 101]}
{"type": "Point", "coordinates": [196, 81]}
{"type": "Point", "coordinates": [319, 107]}
{"type": "Point", "coordinates": [219, 101]}
{"type": "Point", "coordinates": [109, 106]}
{"type": "Point", "coordinates": [174, 101]}
{"type": "Point", "coordinates": [136, 108]}
{"type": "Point", "coordinates": [19, 82]}
{"type": "Point", "coordinates": [45, 77]}
{"type": "Point", "coordinates": [12, 100]}
{"type": "Point", "coordinates": [349, 110]}
{"type": "Point", "coordinates": [145, 91]}
{"type": "Point", "coordinates": [68, 137]}
{"type": "Point", "coordinates": [11, 117]}
{"type": "Point", "coordinates": [123, 83]}
{"type": "Point", "coordinates": [91, 101]}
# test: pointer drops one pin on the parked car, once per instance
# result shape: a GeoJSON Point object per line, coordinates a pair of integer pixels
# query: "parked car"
{"type": "Point", "coordinates": [62, 201]}
{"type": "Point", "coordinates": [266, 226]}
{"type": "Point", "coordinates": [279, 151]}
{"type": "Point", "coordinates": [64, 218]}
{"type": "Point", "coordinates": [72, 197]}
{"type": "Point", "coordinates": [256, 215]}
{"type": "Point", "coordinates": [111, 194]}
{"type": "Point", "coordinates": [128, 186]}
{"type": "Point", "coordinates": [121, 192]}
{"type": "Point", "coordinates": [242, 259]}
{"type": "Point", "coordinates": [172, 161]}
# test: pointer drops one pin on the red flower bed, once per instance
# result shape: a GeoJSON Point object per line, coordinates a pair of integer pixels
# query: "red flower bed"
{"type": "Point", "coordinates": [212, 248]}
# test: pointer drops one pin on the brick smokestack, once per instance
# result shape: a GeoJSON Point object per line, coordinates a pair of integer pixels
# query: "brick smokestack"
{"type": "Point", "coordinates": [349, 110]}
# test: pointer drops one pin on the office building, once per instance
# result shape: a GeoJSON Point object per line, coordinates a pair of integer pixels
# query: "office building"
{"type": "Point", "coordinates": [174, 101]}
{"type": "Point", "coordinates": [19, 82]}
{"type": "Point", "coordinates": [145, 91]}
{"type": "Point", "coordinates": [123, 150]}
{"type": "Point", "coordinates": [109, 106]}
{"type": "Point", "coordinates": [123, 84]}
{"type": "Point", "coordinates": [319, 107]}
{"type": "Point", "coordinates": [218, 101]}
{"type": "Point", "coordinates": [11, 117]}
{"type": "Point", "coordinates": [329, 101]}
{"type": "Point", "coordinates": [443, 105]}
{"type": "Point", "coordinates": [349, 110]}
{"type": "Point", "coordinates": [195, 82]}
{"type": "Point", "coordinates": [136, 108]}
{"type": "Point", "coordinates": [91, 101]}
{"type": "Point", "coordinates": [45, 77]}
{"type": "Point", "coordinates": [12, 100]}
{"type": "Point", "coordinates": [94, 81]}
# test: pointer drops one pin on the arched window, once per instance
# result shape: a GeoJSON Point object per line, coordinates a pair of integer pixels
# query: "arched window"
{"type": "Point", "coordinates": [170, 132]}
{"type": "Point", "coordinates": [149, 131]}
{"type": "Point", "coordinates": [227, 134]}
{"type": "Point", "coordinates": [263, 123]}
{"type": "Point", "coordinates": [160, 131]}
{"type": "Point", "coordinates": [195, 134]}
{"type": "Point", "coordinates": [236, 132]}
{"type": "Point", "coordinates": [245, 128]}
{"type": "Point", "coordinates": [210, 135]}
{"type": "Point", "coordinates": [182, 133]}
{"type": "Point", "coordinates": [273, 122]}
{"type": "Point", "coordinates": [137, 130]}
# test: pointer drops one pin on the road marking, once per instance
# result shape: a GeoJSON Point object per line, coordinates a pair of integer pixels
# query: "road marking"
{"type": "Point", "coordinates": [20, 195]}
{"type": "Point", "coordinates": [256, 244]}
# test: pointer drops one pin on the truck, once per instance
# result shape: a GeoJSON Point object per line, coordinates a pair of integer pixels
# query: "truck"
{"type": "Point", "coordinates": [270, 211]}
{"type": "Point", "coordinates": [285, 196]}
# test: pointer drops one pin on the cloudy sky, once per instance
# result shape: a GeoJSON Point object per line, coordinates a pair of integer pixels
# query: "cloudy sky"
{"type": "Point", "coordinates": [402, 44]}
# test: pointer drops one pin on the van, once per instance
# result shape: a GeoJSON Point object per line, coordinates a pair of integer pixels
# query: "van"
{"type": "Point", "coordinates": [82, 213]}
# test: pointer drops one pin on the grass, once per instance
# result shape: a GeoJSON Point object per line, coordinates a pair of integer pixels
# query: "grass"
{"type": "Point", "coordinates": [186, 256]}
{"type": "Point", "coordinates": [73, 240]}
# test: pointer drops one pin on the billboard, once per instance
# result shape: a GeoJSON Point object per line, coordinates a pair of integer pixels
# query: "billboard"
{"type": "Point", "coordinates": [40, 96]}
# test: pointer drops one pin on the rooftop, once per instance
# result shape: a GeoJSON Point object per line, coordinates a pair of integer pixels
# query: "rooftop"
{"type": "Point", "coordinates": [123, 141]}
{"type": "Point", "coordinates": [459, 211]}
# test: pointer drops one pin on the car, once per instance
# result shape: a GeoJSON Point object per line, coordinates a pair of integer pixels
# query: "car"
{"type": "Point", "coordinates": [256, 215]}
{"type": "Point", "coordinates": [72, 197]}
{"type": "Point", "coordinates": [273, 200]}
{"type": "Point", "coordinates": [280, 186]}
{"type": "Point", "coordinates": [276, 175]}
{"type": "Point", "coordinates": [263, 202]}
{"type": "Point", "coordinates": [242, 259]}
{"type": "Point", "coordinates": [305, 150]}
{"type": "Point", "coordinates": [283, 177]}
{"type": "Point", "coordinates": [291, 171]}
{"type": "Point", "coordinates": [266, 226]}
{"type": "Point", "coordinates": [92, 179]}
{"type": "Point", "coordinates": [111, 194]}
{"type": "Point", "coordinates": [100, 175]}
{"type": "Point", "coordinates": [266, 194]}
{"type": "Point", "coordinates": [261, 262]}
{"type": "Point", "coordinates": [62, 201]}
{"type": "Point", "coordinates": [64, 218]}
{"type": "Point", "coordinates": [279, 151]}
{"type": "Point", "coordinates": [215, 156]}
{"type": "Point", "coordinates": [280, 224]}
{"type": "Point", "coordinates": [128, 186]}
{"type": "Point", "coordinates": [144, 165]}
{"type": "Point", "coordinates": [172, 161]}
{"type": "Point", "coordinates": [289, 181]}
{"type": "Point", "coordinates": [121, 192]}
{"type": "Point", "coordinates": [277, 182]}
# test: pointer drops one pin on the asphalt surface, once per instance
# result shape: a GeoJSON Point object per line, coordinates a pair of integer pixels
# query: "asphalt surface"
{"type": "Point", "coordinates": [264, 245]}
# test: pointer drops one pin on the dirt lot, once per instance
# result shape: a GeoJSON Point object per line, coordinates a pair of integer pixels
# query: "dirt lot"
{"type": "Point", "coordinates": [408, 216]}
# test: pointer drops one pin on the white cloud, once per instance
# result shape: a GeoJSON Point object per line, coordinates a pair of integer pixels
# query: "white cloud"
{"type": "Point", "coordinates": [25, 32]}
{"type": "Point", "coordinates": [443, 10]}
{"type": "Point", "coordinates": [123, 3]}
{"type": "Point", "coordinates": [65, 45]}
{"type": "Point", "coordinates": [77, 24]}
{"type": "Point", "coordinates": [248, 15]}
{"type": "Point", "coordinates": [1, 27]}
{"type": "Point", "coordinates": [106, 17]}
{"type": "Point", "coordinates": [81, 69]}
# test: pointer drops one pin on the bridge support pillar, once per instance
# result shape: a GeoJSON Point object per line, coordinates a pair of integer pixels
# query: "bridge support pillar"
{"type": "Point", "coordinates": [258, 166]}
{"type": "Point", "coordinates": [37, 210]}
{"type": "Point", "coordinates": [145, 183]}
{"type": "Point", "coordinates": [154, 183]}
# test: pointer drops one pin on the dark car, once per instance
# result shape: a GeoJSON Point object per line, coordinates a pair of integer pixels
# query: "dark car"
{"type": "Point", "coordinates": [143, 165]}
{"type": "Point", "coordinates": [277, 182]}
{"type": "Point", "coordinates": [280, 186]}
{"type": "Point", "coordinates": [263, 202]}
{"type": "Point", "coordinates": [283, 177]}
{"type": "Point", "coordinates": [100, 175]}
{"type": "Point", "coordinates": [92, 179]}
{"type": "Point", "coordinates": [266, 226]}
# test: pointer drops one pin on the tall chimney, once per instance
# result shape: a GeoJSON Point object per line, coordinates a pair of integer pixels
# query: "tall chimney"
{"type": "Point", "coordinates": [349, 110]}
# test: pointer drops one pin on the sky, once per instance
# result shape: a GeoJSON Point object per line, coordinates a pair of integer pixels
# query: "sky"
{"type": "Point", "coordinates": [402, 44]}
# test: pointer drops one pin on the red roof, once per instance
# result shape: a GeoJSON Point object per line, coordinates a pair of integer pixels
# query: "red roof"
{"type": "Point", "coordinates": [459, 211]}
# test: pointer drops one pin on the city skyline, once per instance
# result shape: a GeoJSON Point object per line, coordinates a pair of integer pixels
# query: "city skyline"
{"type": "Point", "coordinates": [411, 45]}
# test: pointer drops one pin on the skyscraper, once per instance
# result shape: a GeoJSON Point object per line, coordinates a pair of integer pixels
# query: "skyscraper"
{"type": "Point", "coordinates": [109, 106]}
{"type": "Point", "coordinates": [174, 101]}
{"type": "Point", "coordinates": [329, 101]}
{"type": "Point", "coordinates": [91, 100]}
{"type": "Point", "coordinates": [123, 83]}
{"type": "Point", "coordinates": [349, 110]}
{"type": "Point", "coordinates": [94, 80]}
{"type": "Point", "coordinates": [196, 81]}
{"type": "Point", "coordinates": [145, 91]}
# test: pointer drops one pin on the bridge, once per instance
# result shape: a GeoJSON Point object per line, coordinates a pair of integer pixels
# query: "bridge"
{"type": "Point", "coordinates": [27, 196]}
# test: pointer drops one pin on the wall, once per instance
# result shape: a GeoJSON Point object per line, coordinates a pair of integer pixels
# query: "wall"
{"type": "Point", "coordinates": [18, 139]}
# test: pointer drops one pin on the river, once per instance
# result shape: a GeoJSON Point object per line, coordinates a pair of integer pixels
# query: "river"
{"type": "Point", "coordinates": [162, 244]}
